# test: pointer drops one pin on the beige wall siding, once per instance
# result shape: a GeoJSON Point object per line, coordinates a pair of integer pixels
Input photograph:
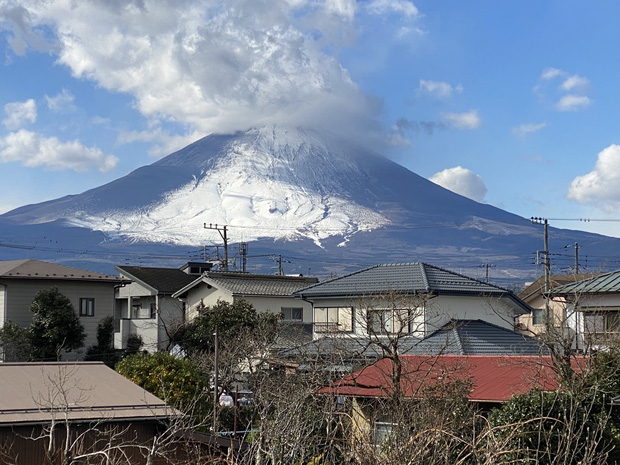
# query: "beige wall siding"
{"type": "Point", "coordinates": [431, 314]}
{"type": "Point", "coordinates": [21, 293]}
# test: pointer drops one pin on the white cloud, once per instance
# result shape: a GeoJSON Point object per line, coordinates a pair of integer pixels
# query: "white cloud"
{"type": "Point", "coordinates": [462, 181]}
{"type": "Point", "coordinates": [18, 113]}
{"type": "Point", "coordinates": [438, 89]}
{"type": "Point", "coordinates": [32, 150]}
{"type": "Point", "coordinates": [215, 66]}
{"type": "Point", "coordinates": [551, 73]}
{"type": "Point", "coordinates": [469, 120]}
{"type": "Point", "coordinates": [574, 83]}
{"type": "Point", "coordinates": [530, 128]}
{"type": "Point", "coordinates": [573, 102]}
{"type": "Point", "coordinates": [572, 90]}
{"type": "Point", "coordinates": [601, 186]}
{"type": "Point", "coordinates": [383, 7]}
{"type": "Point", "coordinates": [61, 103]}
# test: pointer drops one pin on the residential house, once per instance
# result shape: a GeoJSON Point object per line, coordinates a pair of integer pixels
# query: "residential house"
{"type": "Point", "coordinates": [408, 299]}
{"type": "Point", "coordinates": [145, 305]}
{"type": "Point", "coordinates": [266, 293]}
{"type": "Point", "coordinates": [491, 380]}
{"type": "Point", "coordinates": [84, 398]}
{"type": "Point", "coordinates": [108, 419]}
{"type": "Point", "coordinates": [458, 337]}
{"type": "Point", "coordinates": [90, 293]}
{"type": "Point", "coordinates": [592, 310]}
{"type": "Point", "coordinates": [534, 296]}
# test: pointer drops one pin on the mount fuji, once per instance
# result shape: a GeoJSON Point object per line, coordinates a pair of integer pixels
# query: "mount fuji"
{"type": "Point", "coordinates": [325, 203]}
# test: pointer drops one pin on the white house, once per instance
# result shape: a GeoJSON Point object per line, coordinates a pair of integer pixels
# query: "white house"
{"type": "Point", "coordinates": [266, 293]}
{"type": "Point", "coordinates": [592, 310]}
{"type": "Point", "coordinates": [146, 307]}
{"type": "Point", "coordinates": [407, 299]}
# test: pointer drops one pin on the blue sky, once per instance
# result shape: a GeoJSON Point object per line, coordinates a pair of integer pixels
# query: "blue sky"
{"type": "Point", "coordinates": [510, 103]}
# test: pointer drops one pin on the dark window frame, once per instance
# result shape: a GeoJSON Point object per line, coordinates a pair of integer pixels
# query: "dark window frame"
{"type": "Point", "coordinates": [87, 306]}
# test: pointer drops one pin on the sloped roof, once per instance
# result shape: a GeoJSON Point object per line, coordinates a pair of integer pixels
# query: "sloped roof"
{"type": "Point", "coordinates": [493, 378]}
{"type": "Point", "coordinates": [606, 283]}
{"type": "Point", "coordinates": [29, 393]}
{"type": "Point", "coordinates": [555, 280]}
{"type": "Point", "coordinates": [459, 337]}
{"type": "Point", "coordinates": [35, 269]}
{"type": "Point", "coordinates": [162, 280]}
{"type": "Point", "coordinates": [476, 337]}
{"type": "Point", "coordinates": [408, 278]}
{"type": "Point", "coordinates": [245, 284]}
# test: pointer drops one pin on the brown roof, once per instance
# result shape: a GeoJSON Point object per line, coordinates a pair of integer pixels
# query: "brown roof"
{"type": "Point", "coordinates": [35, 269]}
{"type": "Point", "coordinates": [31, 393]}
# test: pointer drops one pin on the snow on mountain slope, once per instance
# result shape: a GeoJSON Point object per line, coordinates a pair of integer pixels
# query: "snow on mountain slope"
{"type": "Point", "coordinates": [270, 182]}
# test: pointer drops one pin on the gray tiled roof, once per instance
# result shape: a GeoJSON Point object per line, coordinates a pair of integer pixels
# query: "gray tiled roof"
{"type": "Point", "coordinates": [35, 269]}
{"type": "Point", "coordinates": [459, 337]}
{"type": "Point", "coordinates": [401, 277]}
{"type": "Point", "coordinates": [605, 283]}
{"type": "Point", "coordinates": [476, 337]}
{"type": "Point", "coordinates": [258, 285]}
{"type": "Point", "coordinates": [164, 280]}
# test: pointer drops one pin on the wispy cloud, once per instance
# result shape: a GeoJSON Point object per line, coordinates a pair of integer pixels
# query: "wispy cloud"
{"type": "Point", "coordinates": [530, 128]}
{"type": "Point", "coordinates": [18, 113]}
{"type": "Point", "coordinates": [61, 103]}
{"type": "Point", "coordinates": [438, 89]}
{"type": "Point", "coordinates": [573, 102]}
{"type": "Point", "coordinates": [571, 91]}
{"type": "Point", "coordinates": [469, 120]}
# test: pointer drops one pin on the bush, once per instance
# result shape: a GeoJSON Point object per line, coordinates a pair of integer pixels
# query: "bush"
{"type": "Point", "coordinates": [177, 381]}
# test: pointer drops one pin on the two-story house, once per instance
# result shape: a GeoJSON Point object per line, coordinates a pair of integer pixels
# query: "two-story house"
{"type": "Point", "coordinates": [90, 293]}
{"type": "Point", "coordinates": [266, 293]}
{"type": "Point", "coordinates": [408, 299]}
{"type": "Point", "coordinates": [145, 306]}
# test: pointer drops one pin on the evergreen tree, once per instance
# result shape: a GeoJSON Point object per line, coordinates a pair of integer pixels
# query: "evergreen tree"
{"type": "Point", "coordinates": [55, 325]}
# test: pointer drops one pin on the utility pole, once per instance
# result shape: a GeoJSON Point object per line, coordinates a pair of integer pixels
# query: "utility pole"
{"type": "Point", "coordinates": [576, 258]}
{"type": "Point", "coordinates": [215, 382]}
{"type": "Point", "coordinates": [243, 251]}
{"type": "Point", "coordinates": [487, 266]}
{"type": "Point", "coordinates": [223, 234]}
{"type": "Point", "coordinates": [545, 224]}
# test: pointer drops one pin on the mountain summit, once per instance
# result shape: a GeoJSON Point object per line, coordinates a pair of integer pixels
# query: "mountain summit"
{"type": "Point", "coordinates": [302, 187]}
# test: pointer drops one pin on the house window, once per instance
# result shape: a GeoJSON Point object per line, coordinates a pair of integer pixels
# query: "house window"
{"type": "Point", "coordinates": [537, 316]}
{"type": "Point", "coordinates": [397, 321]}
{"type": "Point", "coordinates": [87, 307]}
{"type": "Point", "coordinates": [329, 319]}
{"type": "Point", "coordinates": [292, 314]}
{"type": "Point", "coordinates": [138, 312]}
{"type": "Point", "coordinates": [601, 322]}
{"type": "Point", "coordinates": [383, 429]}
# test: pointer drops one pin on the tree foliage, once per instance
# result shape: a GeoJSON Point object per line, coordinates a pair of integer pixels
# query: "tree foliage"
{"type": "Point", "coordinates": [55, 325]}
{"type": "Point", "coordinates": [104, 350]}
{"type": "Point", "coordinates": [231, 320]}
{"type": "Point", "coordinates": [177, 381]}
{"type": "Point", "coordinates": [15, 343]}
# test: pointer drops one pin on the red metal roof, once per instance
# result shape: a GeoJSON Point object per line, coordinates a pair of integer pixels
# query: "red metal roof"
{"type": "Point", "coordinates": [492, 378]}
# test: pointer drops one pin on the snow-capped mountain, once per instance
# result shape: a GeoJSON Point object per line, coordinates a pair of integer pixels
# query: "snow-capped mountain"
{"type": "Point", "coordinates": [302, 187]}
